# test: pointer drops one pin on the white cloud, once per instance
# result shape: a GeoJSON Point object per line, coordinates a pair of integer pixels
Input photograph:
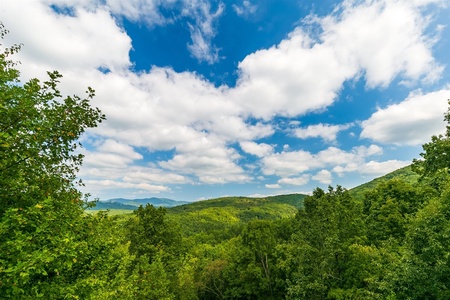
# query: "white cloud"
{"type": "Point", "coordinates": [302, 180]}
{"type": "Point", "coordinates": [368, 151]}
{"type": "Point", "coordinates": [325, 131]}
{"type": "Point", "coordinates": [259, 150]}
{"type": "Point", "coordinates": [147, 11]}
{"type": "Point", "coordinates": [381, 40]}
{"type": "Point", "coordinates": [269, 186]}
{"type": "Point", "coordinates": [114, 147]}
{"type": "Point", "coordinates": [81, 42]}
{"type": "Point", "coordinates": [288, 164]}
{"type": "Point", "coordinates": [213, 164]}
{"type": "Point", "coordinates": [110, 154]}
{"type": "Point", "coordinates": [110, 184]}
{"type": "Point", "coordinates": [323, 176]}
{"type": "Point", "coordinates": [381, 168]}
{"type": "Point", "coordinates": [182, 112]}
{"type": "Point", "coordinates": [203, 29]}
{"type": "Point", "coordinates": [385, 38]}
{"type": "Point", "coordinates": [411, 122]}
{"type": "Point", "coordinates": [247, 8]}
{"type": "Point", "coordinates": [105, 160]}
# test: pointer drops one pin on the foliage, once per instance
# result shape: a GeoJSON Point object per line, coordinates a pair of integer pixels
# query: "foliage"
{"type": "Point", "coordinates": [405, 174]}
{"type": "Point", "coordinates": [150, 233]}
{"type": "Point", "coordinates": [48, 246]}
{"type": "Point", "coordinates": [388, 207]}
{"type": "Point", "coordinates": [327, 226]}
{"type": "Point", "coordinates": [39, 133]}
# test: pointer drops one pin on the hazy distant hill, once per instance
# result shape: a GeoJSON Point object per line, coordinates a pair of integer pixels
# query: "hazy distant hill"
{"type": "Point", "coordinates": [404, 173]}
{"type": "Point", "coordinates": [132, 204]}
{"type": "Point", "coordinates": [101, 205]}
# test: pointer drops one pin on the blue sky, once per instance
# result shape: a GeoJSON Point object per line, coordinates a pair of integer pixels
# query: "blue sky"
{"type": "Point", "coordinates": [213, 98]}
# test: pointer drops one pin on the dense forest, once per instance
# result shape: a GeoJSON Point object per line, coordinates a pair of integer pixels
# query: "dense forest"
{"type": "Point", "coordinates": [387, 240]}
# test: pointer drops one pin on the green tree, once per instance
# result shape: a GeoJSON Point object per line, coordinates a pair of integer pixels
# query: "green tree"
{"type": "Point", "coordinates": [150, 232]}
{"type": "Point", "coordinates": [48, 247]}
{"type": "Point", "coordinates": [156, 243]}
{"type": "Point", "coordinates": [436, 155]}
{"type": "Point", "coordinates": [387, 210]}
{"type": "Point", "coordinates": [425, 270]}
{"type": "Point", "coordinates": [327, 226]}
{"type": "Point", "coordinates": [39, 131]}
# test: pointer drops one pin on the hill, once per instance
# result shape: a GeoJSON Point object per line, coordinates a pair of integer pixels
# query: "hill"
{"type": "Point", "coordinates": [295, 200]}
{"type": "Point", "coordinates": [215, 215]}
{"type": "Point", "coordinates": [101, 205]}
{"type": "Point", "coordinates": [132, 204]}
{"type": "Point", "coordinates": [404, 173]}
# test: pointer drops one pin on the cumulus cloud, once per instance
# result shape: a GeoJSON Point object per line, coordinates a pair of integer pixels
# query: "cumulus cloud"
{"type": "Point", "coordinates": [302, 180]}
{"type": "Point", "coordinates": [323, 176]}
{"type": "Point", "coordinates": [384, 39]}
{"type": "Point", "coordinates": [114, 147]}
{"type": "Point", "coordinates": [380, 40]}
{"type": "Point", "coordinates": [381, 168]}
{"type": "Point", "coordinates": [110, 184]}
{"type": "Point", "coordinates": [210, 164]}
{"type": "Point", "coordinates": [410, 122]}
{"type": "Point", "coordinates": [259, 150]}
{"type": "Point", "coordinates": [270, 186]}
{"type": "Point", "coordinates": [291, 163]}
{"type": "Point", "coordinates": [325, 131]}
{"type": "Point", "coordinates": [80, 43]}
{"type": "Point", "coordinates": [183, 113]}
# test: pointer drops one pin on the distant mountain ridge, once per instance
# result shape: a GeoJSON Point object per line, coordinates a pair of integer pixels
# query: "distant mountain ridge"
{"type": "Point", "coordinates": [132, 204]}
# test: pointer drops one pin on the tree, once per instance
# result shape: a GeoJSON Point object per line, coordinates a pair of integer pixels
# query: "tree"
{"type": "Point", "coordinates": [425, 269]}
{"type": "Point", "coordinates": [387, 210]}
{"type": "Point", "coordinates": [259, 237]}
{"type": "Point", "coordinates": [150, 232]}
{"type": "Point", "coordinates": [48, 247]}
{"type": "Point", "coordinates": [328, 225]}
{"type": "Point", "coordinates": [436, 155]}
{"type": "Point", "coordinates": [39, 131]}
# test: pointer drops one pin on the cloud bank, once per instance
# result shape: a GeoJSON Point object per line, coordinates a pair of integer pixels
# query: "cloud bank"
{"type": "Point", "coordinates": [199, 124]}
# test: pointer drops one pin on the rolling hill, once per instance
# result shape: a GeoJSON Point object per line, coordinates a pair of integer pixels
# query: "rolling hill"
{"type": "Point", "coordinates": [404, 173]}
{"type": "Point", "coordinates": [132, 204]}
{"type": "Point", "coordinates": [216, 216]}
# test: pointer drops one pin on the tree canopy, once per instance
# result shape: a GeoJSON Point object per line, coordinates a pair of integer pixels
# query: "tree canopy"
{"type": "Point", "coordinates": [39, 133]}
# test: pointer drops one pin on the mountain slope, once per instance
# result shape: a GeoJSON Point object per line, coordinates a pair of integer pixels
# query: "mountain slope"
{"type": "Point", "coordinates": [241, 203]}
{"type": "Point", "coordinates": [404, 173]}
{"type": "Point", "coordinates": [214, 216]}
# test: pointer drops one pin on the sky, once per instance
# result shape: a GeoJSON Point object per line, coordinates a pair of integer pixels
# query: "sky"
{"type": "Point", "coordinates": [206, 98]}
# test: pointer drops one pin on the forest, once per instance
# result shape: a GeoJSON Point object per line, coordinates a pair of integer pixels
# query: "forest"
{"type": "Point", "coordinates": [389, 239]}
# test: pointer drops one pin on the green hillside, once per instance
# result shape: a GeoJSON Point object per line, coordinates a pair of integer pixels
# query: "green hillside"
{"type": "Point", "coordinates": [216, 215]}
{"type": "Point", "coordinates": [241, 203]}
{"type": "Point", "coordinates": [404, 173]}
